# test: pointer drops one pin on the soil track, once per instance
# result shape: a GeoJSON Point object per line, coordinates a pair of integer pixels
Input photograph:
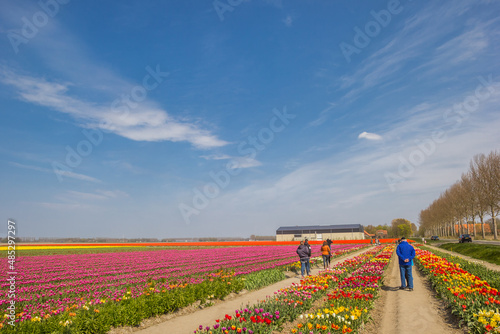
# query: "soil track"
{"type": "Point", "coordinates": [417, 311]}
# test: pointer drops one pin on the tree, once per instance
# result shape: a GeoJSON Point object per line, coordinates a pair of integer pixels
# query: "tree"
{"type": "Point", "coordinates": [458, 204]}
{"type": "Point", "coordinates": [395, 223]}
{"type": "Point", "coordinates": [404, 230]}
{"type": "Point", "coordinates": [488, 168]}
{"type": "Point", "coordinates": [478, 191]}
{"type": "Point", "coordinates": [370, 229]}
{"type": "Point", "coordinates": [414, 229]}
{"type": "Point", "coordinates": [470, 200]}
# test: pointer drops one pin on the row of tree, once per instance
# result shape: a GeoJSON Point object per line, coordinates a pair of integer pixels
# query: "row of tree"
{"type": "Point", "coordinates": [399, 227]}
{"type": "Point", "coordinates": [468, 201]}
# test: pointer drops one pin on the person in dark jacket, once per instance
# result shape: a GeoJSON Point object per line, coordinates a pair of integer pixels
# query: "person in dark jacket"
{"type": "Point", "coordinates": [329, 242]}
{"type": "Point", "coordinates": [306, 242]}
{"type": "Point", "coordinates": [304, 252]}
{"type": "Point", "coordinates": [406, 254]}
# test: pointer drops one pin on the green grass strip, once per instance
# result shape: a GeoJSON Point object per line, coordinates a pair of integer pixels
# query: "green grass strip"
{"type": "Point", "coordinates": [488, 253]}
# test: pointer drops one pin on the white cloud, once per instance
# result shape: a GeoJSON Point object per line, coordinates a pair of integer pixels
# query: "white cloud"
{"type": "Point", "coordinates": [351, 187]}
{"type": "Point", "coordinates": [81, 196]}
{"type": "Point", "coordinates": [59, 172]}
{"type": "Point", "coordinates": [79, 200]}
{"type": "Point", "coordinates": [323, 115]}
{"type": "Point", "coordinates": [64, 206]}
{"type": "Point", "coordinates": [125, 166]}
{"type": "Point", "coordinates": [369, 136]}
{"type": "Point", "coordinates": [99, 194]}
{"type": "Point", "coordinates": [215, 157]}
{"type": "Point", "coordinates": [420, 32]}
{"type": "Point", "coordinates": [239, 162]}
{"type": "Point", "coordinates": [146, 122]}
{"type": "Point", "coordinates": [245, 162]}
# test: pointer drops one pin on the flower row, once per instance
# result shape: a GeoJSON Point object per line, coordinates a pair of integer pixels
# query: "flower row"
{"type": "Point", "coordinates": [470, 296]}
{"type": "Point", "coordinates": [347, 307]}
{"type": "Point", "coordinates": [286, 304]}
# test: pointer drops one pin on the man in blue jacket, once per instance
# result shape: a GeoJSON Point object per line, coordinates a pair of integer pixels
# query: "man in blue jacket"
{"type": "Point", "coordinates": [406, 253]}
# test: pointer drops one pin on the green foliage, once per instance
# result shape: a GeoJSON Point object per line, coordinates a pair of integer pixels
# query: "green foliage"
{"type": "Point", "coordinates": [400, 227]}
{"type": "Point", "coordinates": [404, 230]}
{"type": "Point", "coordinates": [259, 279]}
{"type": "Point", "coordinates": [488, 253]}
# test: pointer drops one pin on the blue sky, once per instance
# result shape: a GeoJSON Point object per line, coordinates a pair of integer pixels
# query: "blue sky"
{"type": "Point", "coordinates": [231, 118]}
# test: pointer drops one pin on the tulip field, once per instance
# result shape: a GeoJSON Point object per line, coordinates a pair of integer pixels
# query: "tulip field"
{"type": "Point", "coordinates": [91, 290]}
{"type": "Point", "coordinates": [473, 293]}
{"type": "Point", "coordinates": [90, 293]}
{"type": "Point", "coordinates": [348, 288]}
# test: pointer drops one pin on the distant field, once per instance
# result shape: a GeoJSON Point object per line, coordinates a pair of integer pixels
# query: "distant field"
{"type": "Point", "coordinates": [488, 253]}
{"type": "Point", "coordinates": [89, 248]}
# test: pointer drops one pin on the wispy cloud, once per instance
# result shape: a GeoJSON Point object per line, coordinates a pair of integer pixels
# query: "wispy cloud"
{"type": "Point", "coordinates": [79, 200]}
{"type": "Point", "coordinates": [146, 122]}
{"type": "Point", "coordinates": [64, 206]}
{"type": "Point", "coordinates": [240, 162]}
{"type": "Point", "coordinates": [369, 136]}
{"type": "Point", "coordinates": [323, 115]}
{"type": "Point", "coordinates": [352, 182]}
{"type": "Point", "coordinates": [215, 157]}
{"type": "Point", "coordinates": [64, 173]}
{"type": "Point", "coordinates": [99, 195]}
{"type": "Point", "coordinates": [124, 165]}
{"type": "Point", "coordinates": [414, 40]}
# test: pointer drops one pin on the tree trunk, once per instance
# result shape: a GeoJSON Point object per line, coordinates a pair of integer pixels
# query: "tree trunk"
{"type": "Point", "coordinates": [494, 218]}
{"type": "Point", "coordinates": [482, 226]}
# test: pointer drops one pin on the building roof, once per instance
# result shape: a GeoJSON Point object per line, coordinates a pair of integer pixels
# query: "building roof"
{"type": "Point", "coordinates": [320, 228]}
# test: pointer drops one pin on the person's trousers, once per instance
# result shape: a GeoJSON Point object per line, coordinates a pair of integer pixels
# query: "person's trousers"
{"type": "Point", "coordinates": [406, 276]}
{"type": "Point", "coordinates": [305, 266]}
{"type": "Point", "coordinates": [326, 260]}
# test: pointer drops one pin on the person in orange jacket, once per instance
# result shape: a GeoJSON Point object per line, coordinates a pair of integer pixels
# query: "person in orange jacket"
{"type": "Point", "coordinates": [325, 253]}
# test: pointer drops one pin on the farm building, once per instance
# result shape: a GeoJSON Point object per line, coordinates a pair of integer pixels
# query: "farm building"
{"type": "Point", "coordinates": [321, 232]}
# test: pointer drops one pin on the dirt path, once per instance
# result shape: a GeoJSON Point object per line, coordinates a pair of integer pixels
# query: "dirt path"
{"type": "Point", "coordinates": [187, 323]}
{"type": "Point", "coordinates": [402, 311]}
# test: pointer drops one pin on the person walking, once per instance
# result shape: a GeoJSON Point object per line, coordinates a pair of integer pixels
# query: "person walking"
{"type": "Point", "coordinates": [306, 243]}
{"type": "Point", "coordinates": [329, 242]}
{"type": "Point", "coordinates": [406, 254]}
{"type": "Point", "coordinates": [304, 253]}
{"type": "Point", "coordinates": [326, 253]}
